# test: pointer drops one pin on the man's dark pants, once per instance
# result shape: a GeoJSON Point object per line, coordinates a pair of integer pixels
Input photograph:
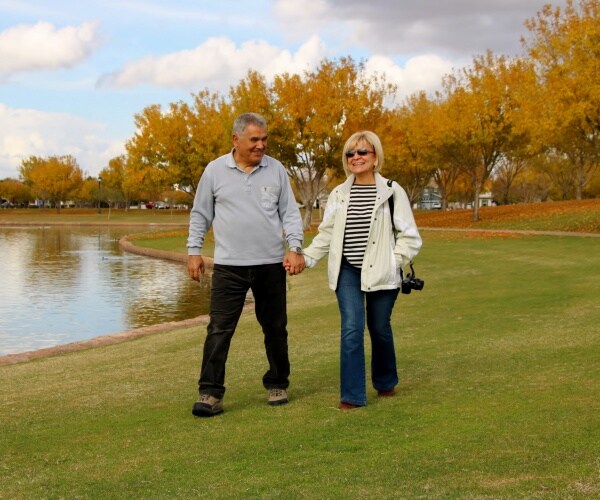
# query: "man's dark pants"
{"type": "Point", "coordinates": [230, 285]}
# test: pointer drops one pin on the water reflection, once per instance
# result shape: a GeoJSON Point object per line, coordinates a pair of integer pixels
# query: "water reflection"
{"type": "Point", "coordinates": [62, 284]}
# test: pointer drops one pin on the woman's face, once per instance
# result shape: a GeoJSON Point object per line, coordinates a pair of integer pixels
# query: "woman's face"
{"type": "Point", "coordinates": [361, 165]}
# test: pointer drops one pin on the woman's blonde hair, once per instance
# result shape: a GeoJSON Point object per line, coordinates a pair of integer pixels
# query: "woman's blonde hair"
{"type": "Point", "coordinates": [368, 137]}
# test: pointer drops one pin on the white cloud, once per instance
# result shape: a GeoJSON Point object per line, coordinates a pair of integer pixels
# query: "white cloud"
{"type": "Point", "coordinates": [217, 63]}
{"type": "Point", "coordinates": [419, 73]}
{"type": "Point", "coordinates": [27, 132]}
{"type": "Point", "coordinates": [42, 46]}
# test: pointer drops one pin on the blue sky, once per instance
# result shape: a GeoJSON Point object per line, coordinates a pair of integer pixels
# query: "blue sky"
{"type": "Point", "coordinates": [74, 73]}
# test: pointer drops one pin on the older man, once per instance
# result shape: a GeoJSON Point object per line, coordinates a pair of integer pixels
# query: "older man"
{"type": "Point", "coordinates": [247, 198]}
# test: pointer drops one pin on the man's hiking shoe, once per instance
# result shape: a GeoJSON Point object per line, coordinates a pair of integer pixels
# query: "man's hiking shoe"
{"type": "Point", "coordinates": [386, 394]}
{"type": "Point", "coordinates": [277, 397]}
{"type": "Point", "coordinates": [207, 406]}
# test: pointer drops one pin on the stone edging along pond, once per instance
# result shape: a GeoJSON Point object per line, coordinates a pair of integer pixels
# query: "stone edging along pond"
{"type": "Point", "coordinates": [127, 246]}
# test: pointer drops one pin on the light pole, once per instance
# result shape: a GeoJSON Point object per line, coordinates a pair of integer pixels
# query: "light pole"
{"type": "Point", "coordinates": [99, 194]}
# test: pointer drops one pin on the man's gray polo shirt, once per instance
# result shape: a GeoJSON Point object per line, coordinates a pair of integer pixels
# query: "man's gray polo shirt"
{"type": "Point", "coordinates": [249, 213]}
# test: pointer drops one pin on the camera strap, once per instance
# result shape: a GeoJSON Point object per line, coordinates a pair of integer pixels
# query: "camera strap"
{"type": "Point", "coordinates": [391, 203]}
{"type": "Point", "coordinates": [410, 277]}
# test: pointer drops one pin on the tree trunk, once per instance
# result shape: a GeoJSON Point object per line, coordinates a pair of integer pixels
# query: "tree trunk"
{"type": "Point", "coordinates": [476, 203]}
{"type": "Point", "coordinates": [307, 215]}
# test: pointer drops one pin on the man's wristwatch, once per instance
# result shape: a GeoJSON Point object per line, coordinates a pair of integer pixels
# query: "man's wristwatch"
{"type": "Point", "coordinates": [297, 250]}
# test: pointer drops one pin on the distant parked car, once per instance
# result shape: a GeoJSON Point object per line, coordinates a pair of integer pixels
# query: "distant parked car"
{"type": "Point", "coordinates": [161, 205]}
{"type": "Point", "coordinates": [149, 204]}
{"type": "Point", "coordinates": [6, 204]}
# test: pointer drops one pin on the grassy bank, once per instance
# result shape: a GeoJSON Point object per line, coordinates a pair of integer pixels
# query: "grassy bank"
{"type": "Point", "coordinates": [499, 396]}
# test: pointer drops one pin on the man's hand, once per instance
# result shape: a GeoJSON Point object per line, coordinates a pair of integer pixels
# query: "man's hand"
{"type": "Point", "coordinates": [195, 265]}
{"type": "Point", "coordinates": [293, 263]}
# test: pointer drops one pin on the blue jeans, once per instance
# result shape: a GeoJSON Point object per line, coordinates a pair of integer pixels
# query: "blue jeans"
{"type": "Point", "coordinates": [379, 306]}
{"type": "Point", "coordinates": [230, 285]}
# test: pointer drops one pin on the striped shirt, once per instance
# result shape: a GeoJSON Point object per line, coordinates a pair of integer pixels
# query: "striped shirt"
{"type": "Point", "coordinates": [358, 222]}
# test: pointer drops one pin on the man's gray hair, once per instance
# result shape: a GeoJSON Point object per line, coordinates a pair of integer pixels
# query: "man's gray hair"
{"type": "Point", "coordinates": [242, 121]}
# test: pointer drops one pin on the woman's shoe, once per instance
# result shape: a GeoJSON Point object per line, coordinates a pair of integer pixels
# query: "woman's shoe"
{"type": "Point", "coordinates": [347, 406]}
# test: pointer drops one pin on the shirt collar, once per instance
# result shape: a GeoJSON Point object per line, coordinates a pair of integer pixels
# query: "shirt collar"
{"type": "Point", "coordinates": [231, 163]}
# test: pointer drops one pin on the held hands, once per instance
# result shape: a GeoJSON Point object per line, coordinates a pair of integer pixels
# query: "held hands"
{"type": "Point", "coordinates": [293, 263]}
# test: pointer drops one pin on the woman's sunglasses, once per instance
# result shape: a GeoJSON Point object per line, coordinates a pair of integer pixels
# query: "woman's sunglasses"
{"type": "Point", "coordinates": [361, 152]}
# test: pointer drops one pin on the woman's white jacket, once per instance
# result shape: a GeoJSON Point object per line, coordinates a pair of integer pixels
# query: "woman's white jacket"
{"type": "Point", "coordinates": [385, 254]}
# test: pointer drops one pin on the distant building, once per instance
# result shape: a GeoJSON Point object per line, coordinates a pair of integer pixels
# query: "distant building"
{"type": "Point", "coordinates": [430, 199]}
{"type": "Point", "coordinates": [486, 200]}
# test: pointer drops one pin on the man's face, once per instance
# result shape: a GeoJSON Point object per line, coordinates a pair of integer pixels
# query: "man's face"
{"type": "Point", "coordinates": [250, 147]}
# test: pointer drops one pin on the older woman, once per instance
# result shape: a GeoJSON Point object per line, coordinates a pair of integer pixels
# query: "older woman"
{"type": "Point", "coordinates": [367, 251]}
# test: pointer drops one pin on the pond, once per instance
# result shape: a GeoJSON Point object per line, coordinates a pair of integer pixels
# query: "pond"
{"type": "Point", "coordinates": [64, 284]}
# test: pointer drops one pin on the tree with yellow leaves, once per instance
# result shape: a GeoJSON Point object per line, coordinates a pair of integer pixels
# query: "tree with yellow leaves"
{"type": "Point", "coordinates": [173, 147]}
{"type": "Point", "coordinates": [483, 106]}
{"type": "Point", "coordinates": [565, 48]}
{"type": "Point", "coordinates": [410, 154]}
{"type": "Point", "coordinates": [112, 183]}
{"type": "Point", "coordinates": [447, 165]}
{"type": "Point", "coordinates": [14, 191]}
{"type": "Point", "coordinates": [252, 94]}
{"type": "Point", "coordinates": [313, 115]}
{"type": "Point", "coordinates": [52, 179]}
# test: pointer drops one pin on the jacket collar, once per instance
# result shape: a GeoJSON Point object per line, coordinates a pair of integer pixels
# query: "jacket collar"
{"type": "Point", "coordinates": [383, 190]}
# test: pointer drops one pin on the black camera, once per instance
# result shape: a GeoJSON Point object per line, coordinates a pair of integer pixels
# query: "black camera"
{"type": "Point", "coordinates": [411, 282]}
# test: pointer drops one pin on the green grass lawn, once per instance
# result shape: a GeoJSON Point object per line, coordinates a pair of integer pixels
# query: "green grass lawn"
{"type": "Point", "coordinates": [499, 396]}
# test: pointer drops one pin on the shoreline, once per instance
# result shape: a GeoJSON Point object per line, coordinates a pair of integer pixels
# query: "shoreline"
{"type": "Point", "coordinates": [127, 246]}
{"type": "Point", "coordinates": [116, 338]}
{"type": "Point", "coordinates": [101, 340]}
{"type": "Point", "coordinates": [90, 223]}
